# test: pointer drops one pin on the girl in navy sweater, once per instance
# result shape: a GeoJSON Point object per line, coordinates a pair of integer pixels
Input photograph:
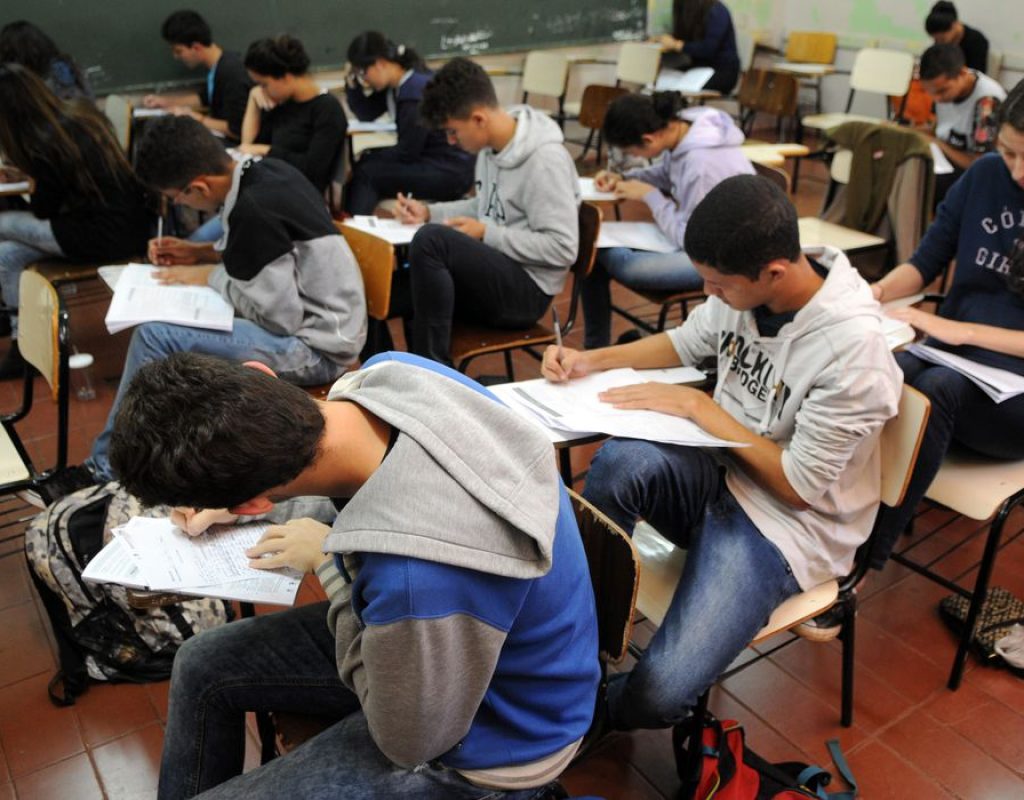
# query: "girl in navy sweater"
{"type": "Point", "coordinates": [981, 225]}
{"type": "Point", "coordinates": [703, 36]}
{"type": "Point", "coordinates": [423, 163]}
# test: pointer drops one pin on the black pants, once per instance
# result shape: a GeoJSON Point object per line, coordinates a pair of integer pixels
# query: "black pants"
{"type": "Point", "coordinates": [456, 276]}
{"type": "Point", "coordinates": [378, 174]}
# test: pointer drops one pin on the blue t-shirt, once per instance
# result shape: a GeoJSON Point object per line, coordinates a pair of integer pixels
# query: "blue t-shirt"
{"type": "Point", "coordinates": [978, 224]}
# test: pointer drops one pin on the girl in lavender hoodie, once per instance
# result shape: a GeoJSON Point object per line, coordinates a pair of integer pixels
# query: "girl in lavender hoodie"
{"type": "Point", "coordinates": [703, 146]}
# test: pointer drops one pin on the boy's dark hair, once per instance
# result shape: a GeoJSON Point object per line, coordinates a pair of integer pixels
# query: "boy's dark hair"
{"type": "Point", "coordinates": [941, 61]}
{"type": "Point", "coordinates": [176, 150]}
{"type": "Point", "coordinates": [458, 87]}
{"type": "Point", "coordinates": [194, 430]}
{"type": "Point", "coordinates": [1011, 110]}
{"type": "Point", "coordinates": [282, 55]}
{"type": "Point", "coordinates": [186, 27]}
{"type": "Point", "coordinates": [941, 18]}
{"type": "Point", "coordinates": [742, 225]}
{"type": "Point", "coordinates": [631, 116]}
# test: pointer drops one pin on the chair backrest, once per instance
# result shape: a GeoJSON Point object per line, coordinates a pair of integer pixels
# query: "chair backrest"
{"type": "Point", "coordinates": [900, 443]}
{"type": "Point", "coordinates": [590, 217]}
{"type": "Point", "coordinates": [376, 259]}
{"type": "Point", "coordinates": [39, 324]}
{"type": "Point", "coordinates": [811, 47]}
{"type": "Point", "coordinates": [745, 44]}
{"type": "Point", "coordinates": [638, 63]}
{"type": "Point", "coordinates": [119, 112]}
{"type": "Point", "coordinates": [768, 92]}
{"type": "Point", "coordinates": [545, 73]}
{"type": "Point", "coordinates": [882, 71]}
{"type": "Point", "coordinates": [615, 574]}
{"type": "Point", "coordinates": [595, 102]}
{"type": "Point", "coordinates": [995, 64]}
{"type": "Point", "coordinates": [776, 175]}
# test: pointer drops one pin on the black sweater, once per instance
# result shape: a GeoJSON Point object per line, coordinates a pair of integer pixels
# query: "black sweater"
{"type": "Point", "coordinates": [231, 85]}
{"type": "Point", "coordinates": [308, 135]}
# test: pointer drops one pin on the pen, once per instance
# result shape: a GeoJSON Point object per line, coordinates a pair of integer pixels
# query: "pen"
{"type": "Point", "coordinates": [558, 333]}
{"type": "Point", "coordinates": [160, 230]}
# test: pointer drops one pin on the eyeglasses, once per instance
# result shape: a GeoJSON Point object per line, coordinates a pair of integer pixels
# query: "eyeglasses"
{"type": "Point", "coordinates": [176, 197]}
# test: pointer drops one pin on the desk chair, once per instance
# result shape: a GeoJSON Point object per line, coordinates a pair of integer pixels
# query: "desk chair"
{"type": "Point", "coordinates": [43, 340]}
{"type": "Point", "coordinates": [811, 47]}
{"type": "Point", "coordinates": [875, 71]}
{"type": "Point", "coordinates": [119, 111]}
{"type": "Point", "coordinates": [765, 92]}
{"type": "Point", "coordinates": [546, 73]}
{"type": "Point", "coordinates": [662, 563]}
{"type": "Point", "coordinates": [638, 63]}
{"type": "Point", "coordinates": [470, 341]}
{"type": "Point", "coordinates": [591, 112]}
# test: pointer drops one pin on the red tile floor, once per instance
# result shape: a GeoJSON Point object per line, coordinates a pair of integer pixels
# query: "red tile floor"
{"type": "Point", "coordinates": [911, 737]}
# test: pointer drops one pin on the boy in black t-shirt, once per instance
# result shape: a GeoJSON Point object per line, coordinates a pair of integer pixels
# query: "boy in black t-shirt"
{"type": "Point", "coordinates": [293, 281]}
{"type": "Point", "coordinates": [227, 86]}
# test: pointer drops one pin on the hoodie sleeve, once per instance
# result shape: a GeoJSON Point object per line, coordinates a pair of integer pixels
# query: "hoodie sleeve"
{"type": "Point", "coordinates": [270, 298]}
{"type": "Point", "coordinates": [697, 338]}
{"type": "Point", "coordinates": [939, 245]}
{"type": "Point", "coordinates": [658, 175]}
{"type": "Point", "coordinates": [469, 207]}
{"type": "Point", "coordinates": [850, 402]}
{"type": "Point", "coordinates": [549, 199]}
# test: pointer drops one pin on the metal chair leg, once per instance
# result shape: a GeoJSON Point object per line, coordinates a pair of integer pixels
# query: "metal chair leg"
{"type": "Point", "coordinates": [848, 637]}
{"type": "Point", "coordinates": [508, 366]}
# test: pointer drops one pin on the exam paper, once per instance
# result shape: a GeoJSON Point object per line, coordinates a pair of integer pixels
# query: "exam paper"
{"type": "Point", "coordinates": [575, 407]}
{"type": "Point", "coordinates": [17, 187]}
{"type": "Point", "coordinates": [372, 126]}
{"type": "Point", "coordinates": [636, 236]}
{"type": "Point", "coordinates": [690, 81]}
{"type": "Point", "coordinates": [391, 230]}
{"type": "Point", "coordinates": [149, 113]}
{"type": "Point", "coordinates": [999, 384]}
{"type": "Point", "coordinates": [589, 192]}
{"type": "Point", "coordinates": [140, 298]}
{"type": "Point", "coordinates": [942, 164]}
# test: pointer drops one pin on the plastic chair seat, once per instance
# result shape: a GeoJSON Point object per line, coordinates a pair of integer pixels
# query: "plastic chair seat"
{"type": "Point", "coordinates": [823, 122]}
{"type": "Point", "coordinates": [12, 466]}
{"type": "Point", "coordinates": [817, 231]}
{"type": "Point", "coordinates": [974, 485]}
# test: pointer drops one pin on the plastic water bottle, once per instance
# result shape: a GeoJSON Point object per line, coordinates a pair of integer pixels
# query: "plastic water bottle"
{"type": "Point", "coordinates": [81, 375]}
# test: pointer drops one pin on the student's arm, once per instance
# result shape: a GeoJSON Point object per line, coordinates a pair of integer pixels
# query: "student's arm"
{"type": "Point", "coordinates": [715, 31]}
{"type": "Point", "coordinates": [420, 681]}
{"type": "Point", "coordinates": [902, 281]}
{"type": "Point", "coordinates": [657, 174]}
{"type": "Point", "coordinates": [326, 140]}
{"type": "Point", "coordinates": [366, 107]}
{"type": "Point", "coordinates": [49, 193]}
{"type": "Point", "coordinates": [961, 159]}
{"type": "Point", "coordinates": [186, 100]}
{"type": "Point", "coordinates": [412, 138]}
{"type": "Point", "coordinates": [270, 298]}
{"type": "Point", "coordinates": [252, 121]}
{"type": "Point", "coordinates": [671, 218]}
{"type": "Point", "coordinates": [974, 334]}
{"type": "Point", "coordinates": [234, 102]}
{"type": "Point", "coordinates": [549, 198]}
{"type": "Point", "coordinates": [467, 207]}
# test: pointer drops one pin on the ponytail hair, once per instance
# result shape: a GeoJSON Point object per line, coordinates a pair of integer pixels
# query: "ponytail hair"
{"type": "Point", "coordinates": [941, 18]}
{"type": "Point", "coordinates": [277, 57]}
{"type": "Point", "coordinates": [631, 116]}
{"type": "Point", "coordinates": [369, 46]}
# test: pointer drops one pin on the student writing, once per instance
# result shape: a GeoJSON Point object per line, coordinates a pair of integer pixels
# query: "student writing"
{"type": "Point", "coordinates": [294, 283]}
{"type": "Point", "coordinates": [500, 257]}
{"type": "Point", "coordinates": [227, 85]}
{"type": "Point", "coordinates": [423, 162]}
{"type": "Point", "coordinates": [701, 147]}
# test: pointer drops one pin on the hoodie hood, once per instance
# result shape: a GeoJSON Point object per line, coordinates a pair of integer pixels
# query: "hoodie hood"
{"type": "Point", "coordinates": [533, 130]}
{"type": "Point", "coordinates": [467, 482]}
{"type": "Point", "coordinates": [709, 127]}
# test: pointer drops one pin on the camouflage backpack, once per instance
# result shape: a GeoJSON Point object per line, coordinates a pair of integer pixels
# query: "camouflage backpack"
{"type": "Point", "coordinates": [99, 635]}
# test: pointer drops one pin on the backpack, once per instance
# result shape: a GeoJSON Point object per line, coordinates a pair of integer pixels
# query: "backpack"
{"type": "Point", "coordinates": [100, 636]}
{"type": "Point", "coordinates": [729, 770]}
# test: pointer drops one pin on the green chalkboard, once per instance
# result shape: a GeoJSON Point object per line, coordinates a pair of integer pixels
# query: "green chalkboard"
{"type": "Point", "coordinates": [118, 41]}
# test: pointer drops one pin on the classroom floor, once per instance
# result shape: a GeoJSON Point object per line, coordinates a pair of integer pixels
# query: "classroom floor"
{"type": "Point", "coordinates": [911, 737]}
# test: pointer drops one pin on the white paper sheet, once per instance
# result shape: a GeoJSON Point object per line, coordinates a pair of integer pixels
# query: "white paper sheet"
{"type": "Point", "coordinates": [115, 563]}
{"type": "Point", "coordinates": [942, 164]}
{"type": "Point", "coordinates": [689, 82]}
{"type": "Point", "coordinates": [999, 384]}
{"type": "Point", "coordinates": [372, 126]}
{"type": "Point", "coordinates": [589, 192]}
{"type": "Point", "coordinates": [139, 298]}
{"type": "Point", "coordinates": [636, 236]}
{"type": "Point", "coordinates": [149, 113]}
{"type": "Point", "coordinates": [575, 407]}
{"type": "Point", "coordinates": [897, 333]}
{"type": "Point", "coordinates": [391, 230]}
{"type": "Point", "coordinates": [16, 187]}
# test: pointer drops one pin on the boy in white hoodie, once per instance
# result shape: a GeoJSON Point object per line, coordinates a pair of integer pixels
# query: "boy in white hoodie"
{"type": "Point", "coordinates": [806, 381]}
{"type": "Point", "coordinates": [498, 258]}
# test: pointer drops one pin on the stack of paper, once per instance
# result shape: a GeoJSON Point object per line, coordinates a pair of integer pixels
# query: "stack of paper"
{"type": "Point", "coordinates": [140, 298]}
{"type": "Point", "coordinates": [574, 406]}
{"type": "Point", "coordinates": [689, 82]}
{"type": "Point", "coordinates": [372, 126]}
{"type": "Point", "coordinates": [636, 236]}
{"type": "Point", "coordinates": [999, 384]}
{"type": "Point", "coordinates": [153, 554]}
{"type": "Point", "coordinates": [391, 230]}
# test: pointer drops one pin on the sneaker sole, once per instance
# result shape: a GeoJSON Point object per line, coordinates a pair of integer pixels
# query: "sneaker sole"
{"type": "Point", "coordinates": [815, 634]}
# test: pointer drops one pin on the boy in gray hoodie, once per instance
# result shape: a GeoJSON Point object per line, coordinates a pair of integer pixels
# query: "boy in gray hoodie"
{"type": "Point", "coordinates": [806, 381]}
{"type": "Point", "coordinates": [292, 279]}
{"type": "Point", "coordinates": [500, 257]}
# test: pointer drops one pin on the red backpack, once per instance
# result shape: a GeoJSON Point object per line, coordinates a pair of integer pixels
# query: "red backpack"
{"type": "Point", "coordinates": [729, 770]}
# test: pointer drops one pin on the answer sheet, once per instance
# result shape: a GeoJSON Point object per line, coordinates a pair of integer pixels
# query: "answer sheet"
{"type": "Point", "coordinates": [636, 236]}
{"type": "Point", "coordinates": [140, 298]}
{"type": "Point", "coordinates": [999, 384]}
{"type": "Point", "coordinates": [390, 230]}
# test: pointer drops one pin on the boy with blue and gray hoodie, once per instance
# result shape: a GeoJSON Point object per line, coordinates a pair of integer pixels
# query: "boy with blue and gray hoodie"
{"type": "Point", "coordinates": [457, 656]}
{"type": "Point", "coordinates": [698, 148]}
{"type": "Point", "coordinates": [499, 258]}
{"type": "Point", "coordinates": [805, 382]}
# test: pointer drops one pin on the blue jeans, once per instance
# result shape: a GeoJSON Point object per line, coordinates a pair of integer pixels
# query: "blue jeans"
{"type": "Point", "coordinates": [962, 412]}
{"type": "Point", "coordinates": [635, 269]}
{"type": "Point", "coordinates": [288, 356]}
{"type": "Point", "coordinates": [282, 662]}
{"type": "Point", "coordinates": [24, 239]}
{"type": "Point", "coordinates": [732, 581]}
